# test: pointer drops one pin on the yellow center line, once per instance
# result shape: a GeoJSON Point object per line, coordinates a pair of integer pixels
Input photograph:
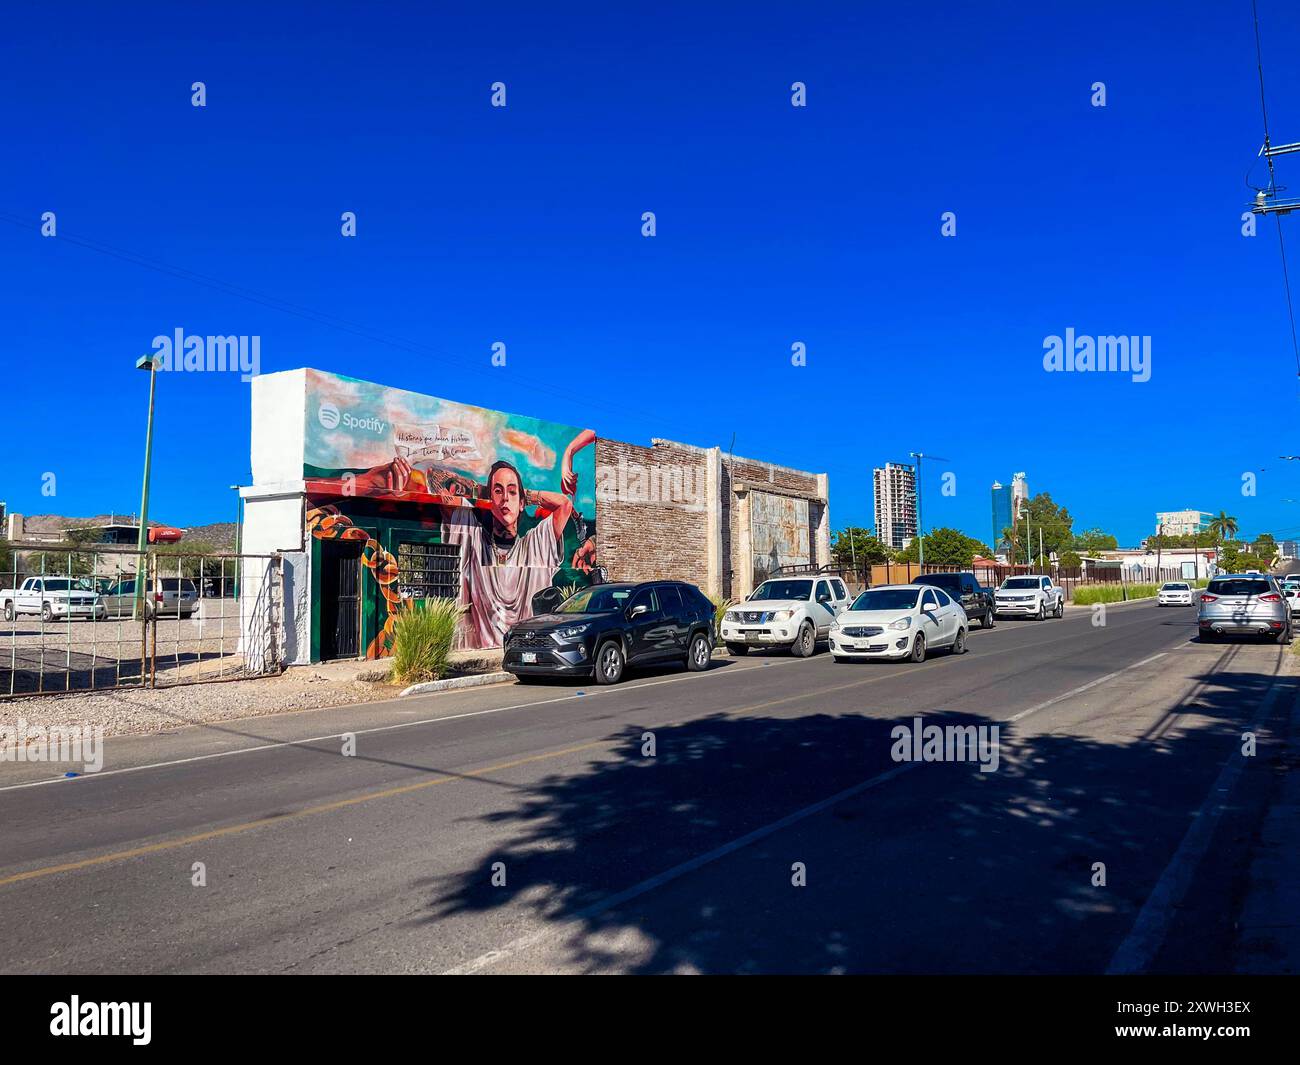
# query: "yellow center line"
{"type": "Point", "coordinates": [405, 789]}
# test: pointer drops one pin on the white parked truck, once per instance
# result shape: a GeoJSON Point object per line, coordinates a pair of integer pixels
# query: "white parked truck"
{"type": "Point", "coordinates": [1030, 596]}
{"type": "Point", "coordinates": [53, 598]}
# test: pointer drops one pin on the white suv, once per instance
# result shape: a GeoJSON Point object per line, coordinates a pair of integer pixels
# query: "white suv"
{"type": "Point", "coordinates": [793, 612]}
{"type": "Point", "coordinates": [1032, 596]}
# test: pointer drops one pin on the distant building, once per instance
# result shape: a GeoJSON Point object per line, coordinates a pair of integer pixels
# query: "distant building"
{"type": "Point", "coordinates": [895, 485]}
{"type": "Point", "coordinates": [1182, 522]}
{"type": "Point", "coordinates": [1007, 503]}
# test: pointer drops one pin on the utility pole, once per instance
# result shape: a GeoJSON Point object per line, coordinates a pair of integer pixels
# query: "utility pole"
{"type": "Point", "coordinates": [920, 538]}
{"type": "Point", "coordinates": [145, 362]}
{"type": "Point", "coordinates": [1160, 543]}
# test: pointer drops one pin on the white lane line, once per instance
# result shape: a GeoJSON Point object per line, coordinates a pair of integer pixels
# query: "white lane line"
{"type": "Point", "coordinates": [449, 717]}
{"type": "Point", "coordinates": [1139, 948]}
{"type": "Point", "coordinates": [515, 946]}
{"type": "Point", "coordinates": [1083, 688]}
{"type": "Point", "coordinates": [387, 728]}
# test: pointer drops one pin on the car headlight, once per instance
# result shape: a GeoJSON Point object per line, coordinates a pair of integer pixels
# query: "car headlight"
{"type": "Point", "coordinates": [573, 632]}
{"type": "Point", "coordinates": [901, 623]}
{"type": "Point", "coordinates": [782, 615]}
{"type": "Point", "coordinates": [730, 615]}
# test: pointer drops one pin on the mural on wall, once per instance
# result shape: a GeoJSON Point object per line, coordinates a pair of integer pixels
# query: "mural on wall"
{"type": "Point", "coordinates": [778, 527]}
{"type": "Point", "coordinates": [514, 495]}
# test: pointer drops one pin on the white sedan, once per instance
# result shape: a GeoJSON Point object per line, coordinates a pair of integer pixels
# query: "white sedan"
{"type": "Point", "coordinates": [1174, 593]}
{"type": "Point", "coordinates": [899, 621]}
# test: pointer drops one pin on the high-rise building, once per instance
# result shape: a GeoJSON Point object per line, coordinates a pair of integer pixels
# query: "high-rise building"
{"type": "Point", "coordinates": [1003, 511]}
{"type": "Point", "coordinates": [895, 485]}
{"type": "Point", "coordinates": [1008, 501]}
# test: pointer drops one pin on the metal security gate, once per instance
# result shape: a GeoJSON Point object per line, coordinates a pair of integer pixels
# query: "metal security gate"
{"type": "Point", "coordinates": [90, 619]}
{"type": "Point", "coordinates": [341, 599]}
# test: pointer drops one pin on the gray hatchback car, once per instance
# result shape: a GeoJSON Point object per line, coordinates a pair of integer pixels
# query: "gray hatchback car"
{"type": "Point", "coordinates": [1251, 604]}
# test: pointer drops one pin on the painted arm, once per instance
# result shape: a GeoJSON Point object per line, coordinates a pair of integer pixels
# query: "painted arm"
{"type": "Point", "coordinates": [560, 506]}
{"type": "Point", "coordinates": [569, 479]}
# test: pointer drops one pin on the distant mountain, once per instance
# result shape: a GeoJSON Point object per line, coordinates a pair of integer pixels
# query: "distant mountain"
{"type": "Point", "coordinates": [218, 535]}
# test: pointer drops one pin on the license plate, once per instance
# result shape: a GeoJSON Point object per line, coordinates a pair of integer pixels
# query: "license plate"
{"type": "Point", "coordinates": [529, 656]}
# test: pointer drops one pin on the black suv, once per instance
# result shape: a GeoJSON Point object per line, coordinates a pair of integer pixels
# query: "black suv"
{"type": "Point", "coordinates": [974, 598]}
{"type": "Point", "coordinates": [603, 629]}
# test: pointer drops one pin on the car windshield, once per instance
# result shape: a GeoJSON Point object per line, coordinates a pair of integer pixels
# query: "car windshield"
{"type": "Point", "coordinates": [1021, 582]}
{"type": "Point", "coordinates": [770, 590]}
{"type": "Point", "coordinates": [1174, 588]}
{"type": "Point", "coordinates": [602, 599]}
{"type": "Point", "coordinates": [1238, 586]}
{"type": "Point", "coordinates": [62, 585]}
{"type": "Point", "coordinates": [887, 599]}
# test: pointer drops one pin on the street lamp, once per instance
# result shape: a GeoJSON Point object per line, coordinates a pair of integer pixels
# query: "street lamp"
{"type": "Point", "coordinates": [239, 529]}
{"type": "Point", "coordinates": [144, 362]}
{"type": "Point", "coordinates": [920, 536]}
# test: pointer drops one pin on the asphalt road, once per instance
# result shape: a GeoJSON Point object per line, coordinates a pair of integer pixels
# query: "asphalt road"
{"type": "Point", "coordinates": [1119, 745]}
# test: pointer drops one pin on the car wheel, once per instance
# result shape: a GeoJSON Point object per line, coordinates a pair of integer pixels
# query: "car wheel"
{"type": "Point", "coordinates": [737, 650]}
{"type": "Point", "coordinates": [918, 649]}
{"type": "Point", "coordinates": [806, 642]}
{"type": "Point", "coordinates": [1209, 636]}
{"type": "Point", "coordinates": [987, 621]}
{"type": "Point", "coordinates": [9, 611]}
{"type": "Point", "coordinates": [1060, 608]}
{"type": "Point", "coordinates": [609, 663]}
{"type": "Point", "coordinates": [959, 644]}
{"type": "Point", "coordinates": [47, 614]}
{"type": "Point", "coordinates": [1042, 613]}
{"type": "Point", "coordinates": [697, 658]}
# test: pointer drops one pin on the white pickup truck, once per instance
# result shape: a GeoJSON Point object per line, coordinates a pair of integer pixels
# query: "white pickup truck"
{"type": "Point", "coordinates": [793, 612]}
{"type": "Point", "coordinates": [1033, 596]}
{"type": "Point", "coordinates": [54, 598]}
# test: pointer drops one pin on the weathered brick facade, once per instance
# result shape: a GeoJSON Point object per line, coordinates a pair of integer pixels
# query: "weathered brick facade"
{"type": "Point", "coordinates": [676, 511]}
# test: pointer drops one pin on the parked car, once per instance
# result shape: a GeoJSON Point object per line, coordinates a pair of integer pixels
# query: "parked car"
{"type": "Point", "coordinates": [1291, 590]}
{"type": "Point", "coordinates": [899, 621]}
{"type": "Point", "coordinates": [1174, 593]}
{"type": "Point", "coordinates": [1244, 603]}
{"type": "Point", "coordinates": [171, 597]}
{"type": "Point", "coordinates": [793, 612]}
{"type": "Point", "coordinates": [603, 630]}
{"type": "Point", "coordinates": [1033, 596]}
{"type": "Point", "coordinates": [53, 598]}
{"type": "Point", "coordinates": [975, 599]}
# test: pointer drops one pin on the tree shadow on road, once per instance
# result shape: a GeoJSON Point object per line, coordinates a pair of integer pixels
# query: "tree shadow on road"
{"type": "Point", "coordinates": [942, 868]}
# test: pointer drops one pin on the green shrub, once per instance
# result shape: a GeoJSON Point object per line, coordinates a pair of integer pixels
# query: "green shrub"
{"type": "Point", "coordinates": [422, 637]}
{"type": "Point", "coordinates": [720, 606]}
{"type": "Point", "coordinates": [1111, 593]}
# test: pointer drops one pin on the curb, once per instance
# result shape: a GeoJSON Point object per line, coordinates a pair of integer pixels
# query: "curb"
{"type": "Point", "coordinates": [452, 683]}
{"type": "Point", "coordinates": [1117, 602]}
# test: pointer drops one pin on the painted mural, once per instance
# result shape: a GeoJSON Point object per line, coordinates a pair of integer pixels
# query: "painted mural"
{"type": "Point", "coordinates": [511, 497]}
{"type": "Point", "coordinates": [778, 532]}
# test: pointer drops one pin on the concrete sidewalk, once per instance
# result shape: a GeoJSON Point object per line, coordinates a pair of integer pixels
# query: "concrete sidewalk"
{"type": "Point", "coordinates": [1268, 931]}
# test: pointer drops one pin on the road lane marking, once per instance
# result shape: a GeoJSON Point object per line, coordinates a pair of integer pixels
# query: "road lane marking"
{"type": "Point", "coordinates": [645, 886]}
{"type": "Point", "coordinates": [377, 728]}
{"type": "Point", "coordinates": [457, 717]}
{"type": "Point", "coordinates": [1139, 948]}
{"type": "Point", "coordinates": [307, 811]}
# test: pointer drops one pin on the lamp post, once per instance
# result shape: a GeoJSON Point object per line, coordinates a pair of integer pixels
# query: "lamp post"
{"type": "Point", "coordinates": [144, 362]}
{"type": "Point", "coordinates": [239, 529]}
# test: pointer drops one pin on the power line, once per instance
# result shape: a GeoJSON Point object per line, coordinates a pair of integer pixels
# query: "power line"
{"type": "Point", "coordinates": [1272, 185]}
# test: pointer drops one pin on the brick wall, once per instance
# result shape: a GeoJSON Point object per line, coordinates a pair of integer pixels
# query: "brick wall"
{"type": "Point", "coordinates": [652, 510]}
{"type": "Point", "coordinates": [651, 515]}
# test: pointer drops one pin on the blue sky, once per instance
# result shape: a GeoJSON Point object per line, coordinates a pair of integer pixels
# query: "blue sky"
{"type": "Point", "coordinates": [775, 224]}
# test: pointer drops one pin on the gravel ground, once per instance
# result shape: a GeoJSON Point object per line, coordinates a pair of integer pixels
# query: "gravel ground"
{"type": "Point", "coordinates": [140, 710]}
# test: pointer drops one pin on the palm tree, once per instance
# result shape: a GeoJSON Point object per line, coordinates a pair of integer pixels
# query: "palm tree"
{"type": "Point", "coordinates": [1224, 526]}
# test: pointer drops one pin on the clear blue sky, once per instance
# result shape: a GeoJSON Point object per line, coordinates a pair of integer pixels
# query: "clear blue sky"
{"type": "Point", "coordinates": [775, 225]}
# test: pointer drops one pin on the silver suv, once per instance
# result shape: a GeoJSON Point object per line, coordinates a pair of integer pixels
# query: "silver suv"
{"type": "Point", "coordinates": [1249, 603]}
